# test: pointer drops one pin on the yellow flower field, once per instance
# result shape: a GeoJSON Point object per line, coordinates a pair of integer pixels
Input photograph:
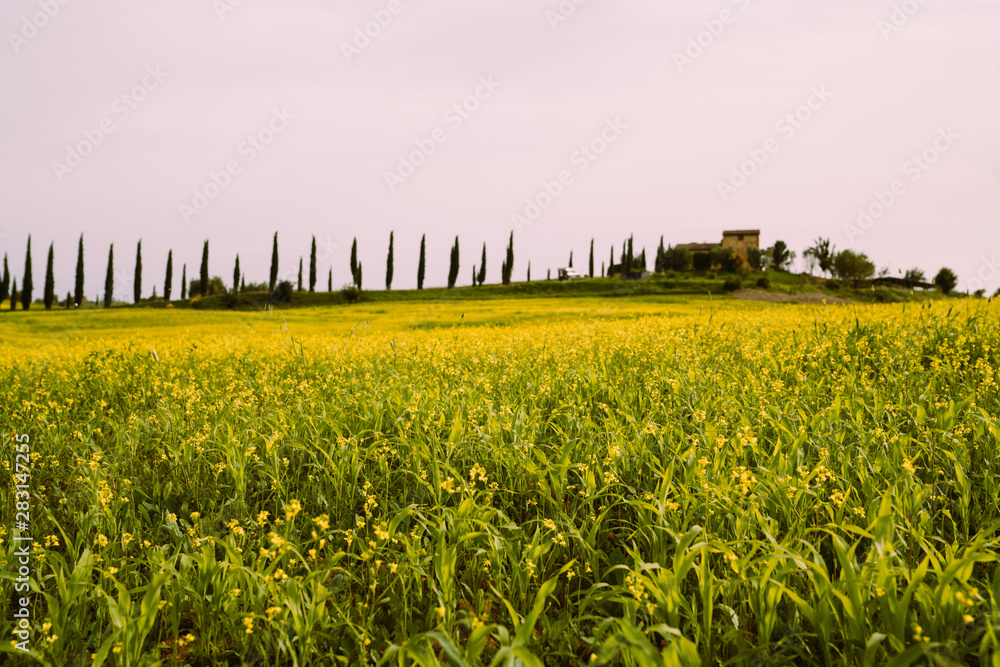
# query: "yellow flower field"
{"type": "Point", "coordinates": [536, 482]}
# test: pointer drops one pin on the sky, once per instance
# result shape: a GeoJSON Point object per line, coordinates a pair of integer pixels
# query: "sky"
{"type": "Point", "coordinates": [875, 124]}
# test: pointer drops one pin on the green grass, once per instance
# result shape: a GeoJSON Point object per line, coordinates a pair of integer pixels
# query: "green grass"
{"type": "Point", "coordinates": [661, 480]}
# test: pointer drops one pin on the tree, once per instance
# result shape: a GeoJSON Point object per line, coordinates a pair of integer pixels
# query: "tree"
{"type": "Point", "coordinates": [184, 273]}
{"type": "Point", "coordinates": [946, 280]}
{"type": "Point", "coordinates": [421, 264]}
{"type": "Point", "coordinates": [388, 263]}
{"type": "Point", "coordinates": [109, 278]}
{"type": "Point", "coordinates": [529, 272]}
{"type": "Point", "coordinates": [329, 281]}
{"type": "Point", "coordinates": [781, 256]}
{"type": "Point", "coordinates": [677, 259]}
{"type": "Point", "coordinates": [312, 266]}
{"type": "Point", "coordinates": [236, 275]}
{"type": "Point", "coordinates": [78, 285]}
{"type": "Point", "coordinates": [5, 281]}
{"type": "Point", "coordinates": [204, 269]}
{"type": "Point", "coordinates": [571, 259]}
{"type": "Point", "coordinates": [13, 296]}
{"type": "Point", "coordinates": [168, 280]}
{"type": "Point", "coordinates": [508, 264]}
{"type": "Point", "coordinates": [453, 267]}
{"type": "Point", "coordinates": [660, 263]}
{"type": "Point", "coordinates": [474, 275]}
{"type": "Point", "coordinates": [849, 265]}
{"type": "Point", "coordinates": [50, 284]}
{"type": "Point", "coordinates": [916, 275]}
{"type": "Point", "coordinates": [354, 261]}
{"type": "Point", "coordinates": [137, 282]}
{"type": "Point", "coordinates": [591, 263]}
{"type": "Point", "coordinates": [822, 252]}
{"type": "Point", "coordinates": [548, 274]}
{"type": "Point", "coordinates": [243, 284]}
{"type": "Point", "coordinates": [628, 265]}
{"type": "Point", "coordinates": [273, 281]}
{"type": "Point", "coordinates": [702, 261]}
{"type": "Point", "coordinates": [359, 276]}
{"type": "Point", "coordinates": [602, 269]}
{"type": "Point", "coordinates": [300, 274]}
{"type": "Point", "coordinates": [482, 268]}
{"type": "Point", "coordinates": [754, 257]}
{"type": "Point", "coordinates": [28, 283]}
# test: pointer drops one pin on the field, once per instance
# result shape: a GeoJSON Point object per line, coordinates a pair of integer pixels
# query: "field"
{"type": "Point", "coordinates": [643, 481]}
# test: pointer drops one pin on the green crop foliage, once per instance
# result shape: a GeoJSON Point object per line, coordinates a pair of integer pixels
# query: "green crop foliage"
{"type": "Point", "coordinates": [553, 482]}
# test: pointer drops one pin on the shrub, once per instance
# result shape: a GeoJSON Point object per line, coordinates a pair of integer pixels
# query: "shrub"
{"type": "Point", "coordinates": [833, 284]}
{"type": "Point", "coordinates": [350, 293]}
{"type": "Point", "coordinates": [732, 284]}
{"type": "Point", "coordinates": [283, 292]}
{"type": "Point", "coordinates": [702, 261]}
{"type": "Point", "coordinates": [764, 282]}
{"type": "Point", "coordinates": [946, 280]}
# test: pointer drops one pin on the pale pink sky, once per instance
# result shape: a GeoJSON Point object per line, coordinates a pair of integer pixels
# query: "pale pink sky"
{"type": "Point", "coordinates": [679, 132]}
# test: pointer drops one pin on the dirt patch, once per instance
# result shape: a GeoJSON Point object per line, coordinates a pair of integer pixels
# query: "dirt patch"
{"type": "Point", "coordinates": [778, 297]}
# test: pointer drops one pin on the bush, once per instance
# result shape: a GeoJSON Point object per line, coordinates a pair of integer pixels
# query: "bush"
{"type": "Point", "coordinates": [732, 284]}
{"type": "Point", "coordinates": [702, 261]}
{"type": "Point", "coordinates": [764, 282]}
{"type": "Point", "coordinates": [833, 284]}
{"type": "Point", "coordinates": [283, 292]}
{"type": "Point", "coordinates": [350, 293]}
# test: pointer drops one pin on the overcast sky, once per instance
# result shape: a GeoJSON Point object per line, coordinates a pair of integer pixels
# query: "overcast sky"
{"type": "Point", "coordinates": [114, 116]}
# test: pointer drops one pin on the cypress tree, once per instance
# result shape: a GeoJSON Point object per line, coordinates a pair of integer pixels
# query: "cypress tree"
{"type": "Point", "coordinates": [312, 266]}
{"type": "Point", "coordinates": [300, 274]}
{"type": "Point", "coordinates": [236, 275]}
{"type": "Point", "coordinates": [13, 296]}
{"type": "Point", "coordinates": [508, 265]}
{"type": "Point", "coordinates": [388, 265]}
{"type": "Point", "coordinates": [453, 268]}
{"type": "Point", "coordinates": [137, 288]}
{"type": "Point", "coordinates": [571, 259]}
{"type": "Point", "coordinates": [591, 266]}
{"type": "Point", "coordinates": [529, 272]}
{"type": "Point", "coordinates": [354, 261]}
{"type": "Point", "coordinates": [359, 276]}
{"type": "Point", "coordinates": [203, 287]}
{"type": "Point", "coordinates": [5, 281]}
{"type": "Point", "coordinates": [482, 267]}
{"type": "Point", "coordinates": [109, 278]}
{"type": "Point", "coordinates": [274, 265]}
{"type": "Point", "coordinates": [78, 285]}
{"type": "Point", "coordinates": [184, 282]}
{"type": "Point", "coordinates": [27, 284]}
{"type": "Point", "coordinates": [421, 264]}
{"type": "Point", "coordinates": [168, 280]}
{"type": "Point", "coordinates": [50, 284]}
{"type": "Point", "coordinates": [243, 284]}
{"type": "Point", "coordinates": [474, 275]}
{"type": "Point", "coordinates": [329, 281]}
{"type": "Point", "coordinates": [548, 274]}
{"type": "Point", "coordinates": [630, 264]}
{"type": "Point", "coordinates": [602, 269]}
{"type": "Point", "coordinates": [611, 262]}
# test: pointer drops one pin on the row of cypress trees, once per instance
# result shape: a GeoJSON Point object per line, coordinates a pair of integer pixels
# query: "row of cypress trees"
{"type": "Point", "coordinates": [9, 289]}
